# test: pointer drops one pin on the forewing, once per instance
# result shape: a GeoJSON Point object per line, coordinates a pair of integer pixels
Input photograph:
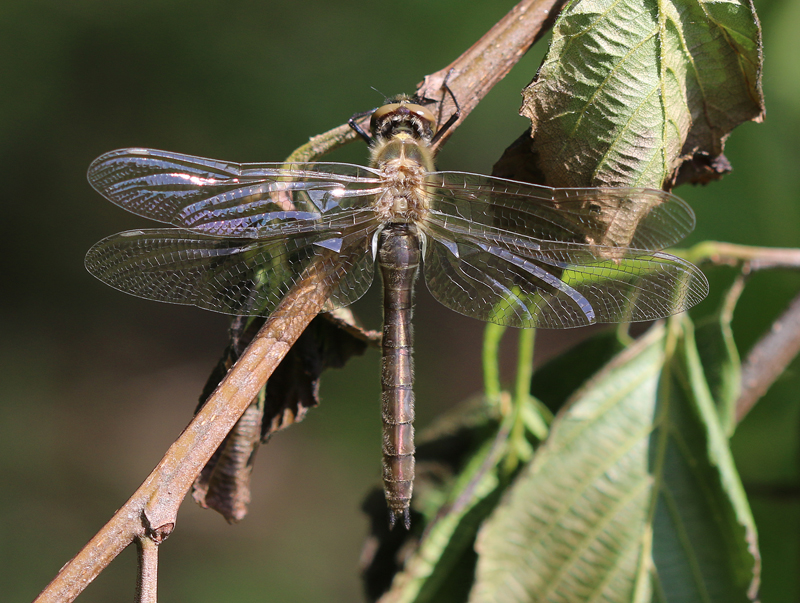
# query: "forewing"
{"type": "Point", "coordinates": [233, 275]}
{"type": "Point", "coordinates": [229, 199]}
{"type": "Point", "coordinates": [601, 218]}
{"type": "Point", "coordinates": [515, 285]}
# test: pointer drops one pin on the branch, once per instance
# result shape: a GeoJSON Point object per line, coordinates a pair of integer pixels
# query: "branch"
{"type": "Point", "coordinates": [769, 358]}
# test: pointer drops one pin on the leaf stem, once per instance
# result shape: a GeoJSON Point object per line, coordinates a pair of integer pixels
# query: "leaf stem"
{"type": "Point", "coordinates": [492, 335]}
{"type": "Point", "coordinates": [530, 413]}
{"type": "Point", "coordinates": [522, 388]}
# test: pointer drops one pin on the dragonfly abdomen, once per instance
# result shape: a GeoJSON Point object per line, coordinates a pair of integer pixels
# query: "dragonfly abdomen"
{"type": "Point", "coordinates": [399, 260]}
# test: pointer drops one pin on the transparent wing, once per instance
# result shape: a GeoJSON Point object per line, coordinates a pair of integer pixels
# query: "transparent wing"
{"type": "Point", "coordinates": [603, 219]}
{"type": "Point", "coordinates": [233, 275]}
{"type": "Point", "coordinates": [229, 199]}
{"type": "Point", "coordinates": [488, 276]}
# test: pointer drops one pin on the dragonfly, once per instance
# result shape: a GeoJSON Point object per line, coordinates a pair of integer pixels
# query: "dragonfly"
{"type": "Point", "coordinates": [512, 253]}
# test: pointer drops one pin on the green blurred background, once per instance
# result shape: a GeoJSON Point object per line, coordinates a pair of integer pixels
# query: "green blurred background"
{"type": "Point", "coordinates": [96, 384]}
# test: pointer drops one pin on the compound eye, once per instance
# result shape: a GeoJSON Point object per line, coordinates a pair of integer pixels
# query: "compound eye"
{"type": "Point", "coordinates": [380, 115]}
{"type": "Point", "coordinates": [383, 111]}
{"type": "Point", "coordinates": [422, 113]}
{"type": "Point", "coordinates": [399, 112]}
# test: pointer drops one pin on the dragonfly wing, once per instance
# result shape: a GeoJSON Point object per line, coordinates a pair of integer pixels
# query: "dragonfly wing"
{"type": "Point", "coordinates": [515, 285]}
{"type": "Point", "coordinates": [229, 199]}
{"type": "Point", "coordinates": [232, 275]}
{"type": "Point", "coordinates": [601, 218]}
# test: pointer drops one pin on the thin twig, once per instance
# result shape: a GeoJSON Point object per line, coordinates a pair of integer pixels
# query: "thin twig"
{"type": "Point", "coordinates": [769, 358]}
{"type": "Point", "coordinates": [147, 582]}
{"type": "Point", "coordinates": [317, 146]}
{"type": "Point", "coordinates": [757, 258]}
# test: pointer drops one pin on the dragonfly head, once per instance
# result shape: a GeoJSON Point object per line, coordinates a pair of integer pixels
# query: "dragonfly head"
{"type": "Point", "coordinates": [401, 115]}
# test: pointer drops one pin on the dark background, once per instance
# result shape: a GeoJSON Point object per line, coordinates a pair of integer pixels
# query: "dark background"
{"type": "Point", "coordinates": [96, 384]}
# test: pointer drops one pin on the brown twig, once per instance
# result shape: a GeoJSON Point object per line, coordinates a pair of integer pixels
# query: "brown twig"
{"type": "Point", "coordinates": [147, 582]}
{"type": "Point", "coordinates": [152, 511]}
{"type": "Point", "coordinates": [756, 258]}
{"type": "Point", "coordinates": [769, 358]}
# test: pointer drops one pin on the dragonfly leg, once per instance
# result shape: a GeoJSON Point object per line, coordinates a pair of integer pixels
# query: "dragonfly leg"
{"type": "Point", "coordinates": [454, 117]}
{"type": "Point", "coordinates": [353, 123]}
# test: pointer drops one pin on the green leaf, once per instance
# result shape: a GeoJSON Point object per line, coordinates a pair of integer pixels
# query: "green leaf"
{"type": "Point", "coordinates": [632, 88]}
{"type": "Point", "coordinates": [704, 538]}
{"type": "Point", "coordinates": [557, 380]}
{"type": "Point", "coordinates": [633, 497]}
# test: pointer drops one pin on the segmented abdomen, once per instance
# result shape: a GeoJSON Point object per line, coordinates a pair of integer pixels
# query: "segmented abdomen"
{"type": "Point", "coordinates": [399, 259]}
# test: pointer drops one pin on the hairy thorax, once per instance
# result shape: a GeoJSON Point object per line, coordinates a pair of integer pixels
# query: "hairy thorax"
{"type": "Point", "coordinates": [403, 163]}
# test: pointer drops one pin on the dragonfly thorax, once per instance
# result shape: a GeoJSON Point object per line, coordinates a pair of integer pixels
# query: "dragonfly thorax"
{"type": "Point", "coordinates": [401, 133]}
{"type": "Point", "coordinates": [403, 163]}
